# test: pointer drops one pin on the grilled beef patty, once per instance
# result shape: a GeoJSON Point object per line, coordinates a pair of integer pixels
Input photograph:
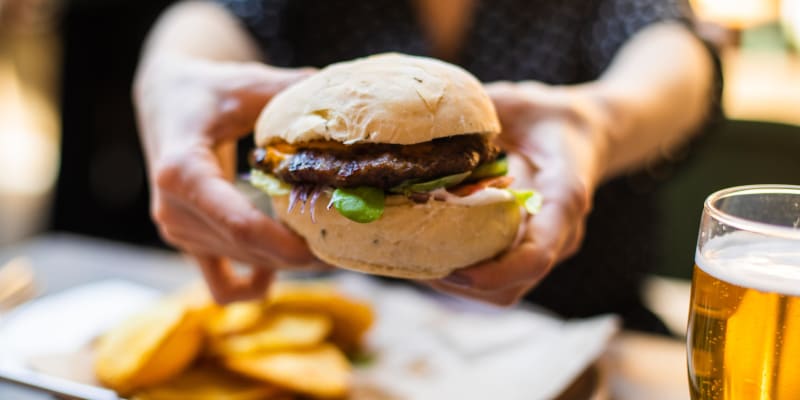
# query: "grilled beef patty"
{"type": "Point", "coordinates": [377, 165]}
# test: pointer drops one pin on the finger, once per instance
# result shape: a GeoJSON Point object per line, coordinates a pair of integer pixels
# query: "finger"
{"type": "Point", "coordinates": [505, 96]}
{"type": "Point", "coordinates": [498, 88]}
{"type": "Point", "coordinates": [243, 224]}
{"type": "Point", "coordinates": [184, 229]}
{"type": "Point", "coordinates": [195, 180]}
{"type": "Point", "coordinates": [525, 264]}
{"type": "Point", "coordinates": [176, 223]}
{"type": "Point", "coordinates": [226, 286]}
{"type": "Point", "coordinates": [574, 241]}
{"type": "Point", "coordinates": [258, 79]}
{"type": "Point", "coordinates": [246, 90]}
{"type": "Point", "coordinates": [526, 93]}
{"type": "Point", "coordinates": [190, 233]}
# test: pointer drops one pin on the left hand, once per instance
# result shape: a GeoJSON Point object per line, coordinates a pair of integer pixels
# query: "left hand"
{"type": "Point", "coordinates": [554, 141]}
{"type": "Point", "coordinates": [188, 109]}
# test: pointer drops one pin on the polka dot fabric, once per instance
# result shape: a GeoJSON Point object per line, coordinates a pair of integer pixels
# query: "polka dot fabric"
{"type": "Point", "coordinates": [614, 21]}
{"type": "Point", "coordinates": [557, 42]}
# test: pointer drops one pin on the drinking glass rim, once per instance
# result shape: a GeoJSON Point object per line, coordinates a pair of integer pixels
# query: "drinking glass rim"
{"type": "Point", "coordinates": [748, 224]}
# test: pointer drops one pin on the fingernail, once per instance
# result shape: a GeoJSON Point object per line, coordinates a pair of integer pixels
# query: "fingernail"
{"type": "Point", "coordinates": [458, 279]}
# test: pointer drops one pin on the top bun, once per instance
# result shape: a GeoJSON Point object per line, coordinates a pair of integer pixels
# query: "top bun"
{"type": "Point", "coordinates": [387, 98]}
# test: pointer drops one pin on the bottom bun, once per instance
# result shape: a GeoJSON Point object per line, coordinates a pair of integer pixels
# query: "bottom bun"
{"type": "Point", "coordinates": [416, 241]}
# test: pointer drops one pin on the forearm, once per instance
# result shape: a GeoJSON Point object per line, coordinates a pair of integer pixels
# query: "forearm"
{"type": "Point", "coordinates": [189, 34]}
{"type": "Point", "coordinates": [200, 30]}
{"type": "Point", "coordinates": [195, 54]}
{"type": "Point", "coordinates": [652, 98]}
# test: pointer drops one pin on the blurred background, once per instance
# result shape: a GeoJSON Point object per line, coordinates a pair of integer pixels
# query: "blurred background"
{"type": "Point", "coordinates": [70, 160]}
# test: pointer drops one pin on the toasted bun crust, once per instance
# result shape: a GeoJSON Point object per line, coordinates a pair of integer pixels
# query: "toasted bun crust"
{"type": "Point", "coordinates": [415, 241]}
{"type": "Point", "coordinates": [388, 98]}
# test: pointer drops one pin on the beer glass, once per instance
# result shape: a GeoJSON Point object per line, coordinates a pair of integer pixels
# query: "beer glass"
{"type": "Point", "coordinates": [743, 336]}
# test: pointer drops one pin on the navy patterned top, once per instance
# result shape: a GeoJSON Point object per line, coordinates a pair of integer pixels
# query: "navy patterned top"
{"type": "Point", "coordinates": [556, 42]}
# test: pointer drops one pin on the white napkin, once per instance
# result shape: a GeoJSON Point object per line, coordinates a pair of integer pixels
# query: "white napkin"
{"type": "Point", "coordinates": [424, 348]}
{"type": "Point", "coordinates": [428, 349]}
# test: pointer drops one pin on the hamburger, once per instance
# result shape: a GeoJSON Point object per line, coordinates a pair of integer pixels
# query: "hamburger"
{"type": "Point", "coordinates": [388, 165]}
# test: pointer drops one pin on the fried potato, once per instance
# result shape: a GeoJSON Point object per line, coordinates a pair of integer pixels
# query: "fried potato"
{"type": "Point", "coordinates": [212, 383]}
{"type": "Point", "coordinates": [321, 371]}
{"type": "Point", "coordinates": [280, 331]}
{"type": "Point", "coordinates": [149, 348]}
{"type": "Point", "coordinates": [351, 318]}
{"type": "Point", "coordinates": [234, 318]}
{"type": "Point", "coordinates": [281, 344]}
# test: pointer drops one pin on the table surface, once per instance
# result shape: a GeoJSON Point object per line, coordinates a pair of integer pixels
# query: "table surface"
{"type": "Point", "coordinates": [636, 366]}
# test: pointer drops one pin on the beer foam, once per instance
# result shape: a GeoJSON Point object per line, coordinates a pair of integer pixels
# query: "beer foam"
{"type": "Point", "coordinates": [754, 261]}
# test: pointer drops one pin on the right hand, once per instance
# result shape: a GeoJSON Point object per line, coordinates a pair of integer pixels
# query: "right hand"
{"type": "Point", "coordinates": [550, 134]}
{"type": "Point", "coordinates": [187, 110]}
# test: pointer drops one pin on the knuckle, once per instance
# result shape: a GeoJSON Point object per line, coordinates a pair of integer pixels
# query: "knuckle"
{"type": "Point", "coordinates": [169, 236]}
{"type": "Point", "coordinates": [547, 259]}
{"type": "Point", "coordinates": [169, 173]}
{"type": "Point", "coordinates": [238, 228]}
{"type": "Point", "coordinates": [295, 256]}
{"type": "Point", "coordinates": [159, 214]}
{"type": "Point", "coordinates": [164, 216]}
{"type": "Point", "coordinates": [581, 198]}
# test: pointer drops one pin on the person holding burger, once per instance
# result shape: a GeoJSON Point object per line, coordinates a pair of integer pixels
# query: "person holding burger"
{"type": "Point", "coordinates": [586, 92]}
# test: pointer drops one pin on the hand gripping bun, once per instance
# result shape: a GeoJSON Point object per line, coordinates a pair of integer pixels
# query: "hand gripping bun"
{"type": "Point", "coordinates": [415, 241]}
{"type": "Point", "coordinates": [389, 98]}
{"type": "Point", "coordinates": [394, 99]}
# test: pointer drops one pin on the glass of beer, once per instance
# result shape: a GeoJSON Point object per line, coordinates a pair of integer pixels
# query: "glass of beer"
{"type": "Point", "coordinates": [743, 336]}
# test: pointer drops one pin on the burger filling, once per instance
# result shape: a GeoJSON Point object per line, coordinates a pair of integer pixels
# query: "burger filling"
{"type": "Point", "coordinates": [382, 166]}
{"type": "Point", "coordinates": [361, 175]}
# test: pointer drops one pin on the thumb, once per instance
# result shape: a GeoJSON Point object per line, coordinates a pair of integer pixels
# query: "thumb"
{"type": "Point", "coordinates": [247, 89]}
{"type": "Point", "coordinates": [258, 80]}
{"type": "Point", "coordinates": [272, 80]}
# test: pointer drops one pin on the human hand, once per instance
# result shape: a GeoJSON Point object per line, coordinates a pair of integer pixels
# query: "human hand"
{"type": "Point", "coordinates": [189, 113]}
{"type": "Point", "coordinates": [551, 137]}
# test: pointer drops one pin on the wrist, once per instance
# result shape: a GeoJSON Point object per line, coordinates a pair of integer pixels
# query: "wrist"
{"type": "Point", "coordinates": [589, 126]}
{"type": "Point", "coordinates": [594, 125]}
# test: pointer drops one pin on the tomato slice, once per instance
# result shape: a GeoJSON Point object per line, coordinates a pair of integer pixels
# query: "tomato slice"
{"type": "Point", "coordinates": [500, 182]}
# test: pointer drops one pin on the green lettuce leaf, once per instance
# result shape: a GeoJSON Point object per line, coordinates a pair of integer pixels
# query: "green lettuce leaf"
{"type": "Point", "coordinates": [413, 186]}
{"type": "Point", "coordinates": [531, 200]}
{"type": "Point", "coordinates": [269, 183]}
{"type": "Point", "coordinates": [362, 204]}
{"type": "Point", "coordinates": [498, 167]}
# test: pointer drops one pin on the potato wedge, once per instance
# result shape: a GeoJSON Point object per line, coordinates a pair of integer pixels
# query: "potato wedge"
{"type": "Point", "coordinates": [322, 371]}
{"type": "Point", "coordinates": [234, 318]}
{"type": "Point", "coordinates": [280, 331]}
{"type": "Point", "coordinates": [351, 318]}
{"type": "Point", "coordinates": [149, 348]}
{"type": "Point", "coordinates": [212, 383]}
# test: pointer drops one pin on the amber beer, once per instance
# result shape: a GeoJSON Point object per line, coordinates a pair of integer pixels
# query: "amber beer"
{"type": "Point", "coordinates": [743, 337]}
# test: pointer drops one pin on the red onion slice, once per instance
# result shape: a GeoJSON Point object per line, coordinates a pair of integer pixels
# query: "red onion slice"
{"type": "Point", "coordinates": [293, 195]}
{"type": "Point", "coordinates": [313, 204]}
